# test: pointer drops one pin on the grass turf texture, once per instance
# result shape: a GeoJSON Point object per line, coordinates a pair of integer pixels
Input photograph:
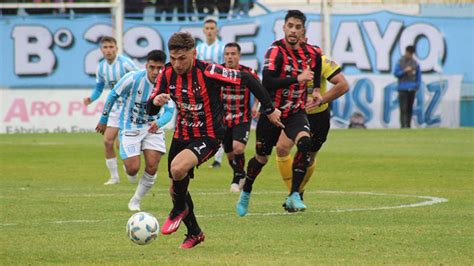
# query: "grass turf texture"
{"type": "Point", "coordinates": [55, 210]}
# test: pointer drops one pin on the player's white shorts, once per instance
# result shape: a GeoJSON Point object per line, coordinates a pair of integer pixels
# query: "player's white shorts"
{"type": "Point", "coordinates": [132, 142]}
{"type": "Point", "coordinates": [114, 118]}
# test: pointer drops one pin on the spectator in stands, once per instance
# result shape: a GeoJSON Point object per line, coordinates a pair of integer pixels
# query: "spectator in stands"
{"type": "Point", "coordinates": [242, 7]}
{"type": "Point", "coordinates": [223, 8]}
{"type": "Point", "coordinates": [204, 8]}
{"type": "Point", "coordinates": [164, 6]}
{"type": "Point", "coordinates": [134, 8]}
{"type": "Point", "coordinates": [408, 73]}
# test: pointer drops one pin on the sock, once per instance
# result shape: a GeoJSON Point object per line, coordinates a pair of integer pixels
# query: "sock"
{"type": "Point", "coordinates": [146, 183]}
{"type": "Point", "coordinates": [113, 168]}
{"type": "Point", "coordinates": [253, 169]}
{"type": "Point", "coordinates": [285, 166]}
{"type": "Point", "coordinates": [300, 162]}
{"type": "Point", "coordinates": [190, 220]}
{"type": "Point", "coordinates": [307, 176]}
{"type": "Point", "coordinates": [180, 189]}
{"type": "Point", "coordinates": [218, 155]}
{"type": "Point", "coordinates": [238, 165]}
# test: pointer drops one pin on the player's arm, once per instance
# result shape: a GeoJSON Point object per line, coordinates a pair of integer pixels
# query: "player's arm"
{"type": "Point", "coordinates": [120, 89]}
{"type": "Point", "coordinates": [340, 88]}
{"type": "Point", "coordinates": [235, 77]}
{"type": "Point", "coordinates": [159, 96]}
{"type": "Point", "coordinates": [98, 89]}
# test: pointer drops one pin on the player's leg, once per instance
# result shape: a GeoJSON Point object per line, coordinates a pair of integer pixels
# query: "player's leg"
{"type": "Point", "coordinates": [240, 137]}
{"type": "Point", "coordinates": [319, 125]}
{"type": "Point", "coordinates": [190, 155]}
{"type": "Point", "coordinates": [217, 158]}
{"type": "Point", "coordinates": [297, 128]}
{"type": "Point", "coordinates": [267, 136]}
{"type": "Point", "coordinates": [153, 146]}
{"type": "Point", "coordinates": [284, 160]}
{"type": "Point", "coordinates": [110, 135]}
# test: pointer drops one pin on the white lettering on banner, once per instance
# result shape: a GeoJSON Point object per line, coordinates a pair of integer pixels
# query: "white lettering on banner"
{"type": "Point", "coordinates": [139, 41]}
{"type": "Point", "coordinates": [349, 47]}
{"type": "Point", "coordinates": [435, 38]}
{"type": "Point", "coordinates": [33, 55]}
{"type": "Point", "coordinates": [376, 98]}
{"type": "Point", "coordinates": [383, 43]}
{"type": "Point", "coordinates": [232, 33]}
{"type": "Point", "coordinates": [93, 35]}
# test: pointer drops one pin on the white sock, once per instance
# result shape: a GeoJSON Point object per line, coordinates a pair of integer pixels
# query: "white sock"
{"type": "Point", "coordinates": [113, 169]}
{"type": "Point", "coordinates": [144, 185]}
{"type": "Point", "coordinates": [218, 156]}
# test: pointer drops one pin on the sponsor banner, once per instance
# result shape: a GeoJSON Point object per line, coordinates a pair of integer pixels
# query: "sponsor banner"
{"type": "Point", "coordinates": [63, 52]}
{"type": "Point", "coordinates": [374, 96]}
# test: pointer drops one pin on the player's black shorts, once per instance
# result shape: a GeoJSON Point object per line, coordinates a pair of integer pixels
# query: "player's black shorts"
{"type": "Point", "coordinates": [204, 148]}
{"type": "Point", "coordinates": [239, 132]}
{"type": "Point", "coordinates": [268, 134]}
{"type": "Point", "coordinates": [319, 124]}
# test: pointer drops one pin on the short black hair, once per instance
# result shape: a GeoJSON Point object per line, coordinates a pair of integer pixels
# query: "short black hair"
{"type": "Point", "coordinates": [156, 55]}
{"type": "Point", "coordinates": [210, 20]}
{"type": "Point", "coordinates": [233, 44]}
{"type": "Point", "coordinates": [410, 49]}
{"type": "Point", "coordinates": [295, 14]}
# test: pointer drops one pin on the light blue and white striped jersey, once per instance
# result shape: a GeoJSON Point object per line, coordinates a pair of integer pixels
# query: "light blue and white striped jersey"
{"type": "Point", "coordinates": [213, 53]}
{"type": "Point", "coordinates": [107, 75]}
{"type": "Point", "coordinates": [134, 89]}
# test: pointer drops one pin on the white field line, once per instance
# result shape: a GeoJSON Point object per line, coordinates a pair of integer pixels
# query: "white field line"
{"type": "Point", "coordinates": [428, 200]}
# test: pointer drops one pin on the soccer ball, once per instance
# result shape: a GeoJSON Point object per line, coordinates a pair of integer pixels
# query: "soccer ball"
{"type": "Point", "coordinates": [142, 228]}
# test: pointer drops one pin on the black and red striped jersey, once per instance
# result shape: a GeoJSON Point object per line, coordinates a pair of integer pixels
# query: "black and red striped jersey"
{"type": "Point", "coordinates": [197, 95]}
{"type": "Point", "coordinates": [287, 63]}
{"type": "Point", "coordinates": [237, 102]}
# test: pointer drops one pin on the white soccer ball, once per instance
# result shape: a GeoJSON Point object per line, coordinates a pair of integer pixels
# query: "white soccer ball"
{"type": "Point", "coordinates": [142, 228]}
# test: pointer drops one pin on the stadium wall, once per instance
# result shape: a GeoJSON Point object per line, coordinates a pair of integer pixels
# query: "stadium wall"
{"type": "Point", "coordinates": [48, 65]}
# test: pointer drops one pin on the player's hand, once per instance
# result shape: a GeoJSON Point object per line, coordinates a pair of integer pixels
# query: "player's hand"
{"type": "Point", "coordinates": [274, 117]}
{"type": "Point", "coordinates": [315, 102]}
{"type": "Point", "coordinates": [408, 69]}
{"type": "Point", "coordinates": [161, 99]}
{"type": "Point", "coordinates": [255, 111]}
{"type": "Point", "coordinates": [153, 127]}
{"type": "Point", "coordinates": [100, 128]}
{"type": "Point", "coordinates": [305, 76]}
{"type": "Point", "coordinates": [87, 101]}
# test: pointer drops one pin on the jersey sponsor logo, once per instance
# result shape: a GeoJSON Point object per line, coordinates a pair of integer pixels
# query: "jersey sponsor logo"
{"type": "Point", "coordinates": [189, 106]}
{"type": "Point", "coordinates": [233, 116]}
{"type": "Point", "coordinates": [233, 97]}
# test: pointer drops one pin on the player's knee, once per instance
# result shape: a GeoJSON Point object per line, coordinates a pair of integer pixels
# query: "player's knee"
{"type": "Point", "coordinates": [109, 143]}
{"type": "Point", "coordinates": [177, 172]}
{"type": "Point", "coordinates": [151, 169]}
{"type": "Point", "coordinates": [261, 159]}
{"type": "Point", "coordinates": [304, 144]}
{"type": "Point", "coordinates": [132, 170]}
{"type": "Point", "coordinates": [282, 150]}
{"type": "Point", "coordinates": [239, 150]}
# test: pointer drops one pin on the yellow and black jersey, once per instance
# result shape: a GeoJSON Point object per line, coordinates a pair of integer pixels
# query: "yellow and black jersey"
{"type": "Point", "coordinates": [329, 70]}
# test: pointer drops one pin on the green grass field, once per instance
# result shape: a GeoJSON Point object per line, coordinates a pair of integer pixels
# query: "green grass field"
{"type": "Point", "coordinates": [55, 210]}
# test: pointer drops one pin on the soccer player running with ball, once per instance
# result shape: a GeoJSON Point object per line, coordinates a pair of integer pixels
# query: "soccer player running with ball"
{"type": "Point", "coordinates": [139, 131]}
{"type": "Point", "coordinates": [195, 87]}
{"type": "Point", "coordinates": [289, 65]}
{"type": "Point", "coordinates": [317, 110]}
{"type": "Point", "coordinates": [237, 117]}
{"type": "Point", "coordinates": [109, 71]}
